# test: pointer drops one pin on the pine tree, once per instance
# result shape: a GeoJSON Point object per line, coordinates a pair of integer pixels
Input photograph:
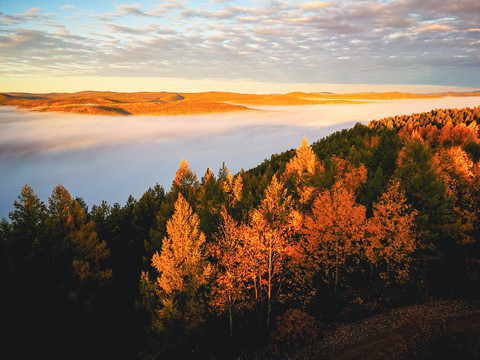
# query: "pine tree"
{"type": "Point", "coordinates": [25, 246]}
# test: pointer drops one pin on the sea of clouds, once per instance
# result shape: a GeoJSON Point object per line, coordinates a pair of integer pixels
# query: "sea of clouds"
{"type": "Point", "coordinates": [111, 157]}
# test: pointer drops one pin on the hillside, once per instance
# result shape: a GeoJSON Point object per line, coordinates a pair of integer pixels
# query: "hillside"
{"type": "Point", "coordinates": [168, 103]}
{"type": "Point", "coordinates": [336, 248]}
{"type": "Point", "coordinates": [435, 329]}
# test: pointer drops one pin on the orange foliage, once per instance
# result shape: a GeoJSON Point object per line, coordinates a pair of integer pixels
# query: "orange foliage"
{"type": "Point", "coordinates": [272, 226]}
{"type": "Point", "coordinates": [294, 329]}
{"type": "Point", "coordinates": [185, 181]}
{"type": "Point", "coordinates": [347, 175]}
{"type": "Point", "coordinates": [335, 231]}
{"type": "Point", "coordinates": [79, 237]}
{"type": "Point", "coordinates": [372, 142]}
{"type": "Point", "coordinates": [430, 134]}
{"type": "Point", "coordinates": [183, 172]}
{"type": "Point", "coordinates": [182, 259]}
{"type": "Point", "coordinates": [458, 134]}
{"type": "Point", "coordinates": [232, 186]}
{"type": "Point", "coordinates": [454, 167]}
{"type": "Point", "coordinates": [392, 238]}
{"type": "Point", "coordinates": [302, 169]}
{"type": "Point", "coordinates": [232, 267]}
{"type": "Point", "coordinates": [457, 171]}
{"type": "Point", "coordinates": [448, 135]}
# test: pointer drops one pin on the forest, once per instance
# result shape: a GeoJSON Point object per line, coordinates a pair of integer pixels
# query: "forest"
{"type": "Point", "coordinates": [366, 220]}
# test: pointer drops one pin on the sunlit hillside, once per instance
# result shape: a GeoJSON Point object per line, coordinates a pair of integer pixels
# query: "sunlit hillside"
{"type": "Point", "coordinates": [168, 103]}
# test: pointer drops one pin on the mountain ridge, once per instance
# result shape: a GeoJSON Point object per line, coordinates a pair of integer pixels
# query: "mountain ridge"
{"type": "Point", "coordinates": [177, 103]}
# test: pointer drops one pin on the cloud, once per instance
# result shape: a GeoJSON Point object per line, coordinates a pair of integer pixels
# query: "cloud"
{"type": "Point", "coordinates": [314, 5]}
{"type": "Point", "coordinates": [435, 27]}
{"type": "Point", "coordinates": [64, 7]}
{"type": "Point", "coordinates": [44, 149]}
{"type": "Point", "coordinates": [33, 14]}
{"type": "Point", "coordinates": [144, 31]}
{"type": "Point", "coordinates": [268, 31]}
{"type": "Point", "coordinates": [134, 10]}
{"type": "Point", "coordinates": [213, 2]}
{"type": "Point", "coordinates": [316, 41]}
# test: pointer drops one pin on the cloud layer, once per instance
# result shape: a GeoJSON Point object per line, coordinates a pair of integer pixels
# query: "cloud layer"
{"type": "Point", "coordinates": [382, 42]}
{"type": "Point", "coordinates": [108, 158]}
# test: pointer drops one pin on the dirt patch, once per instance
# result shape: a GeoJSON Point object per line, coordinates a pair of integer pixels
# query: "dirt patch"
{"type": "Point", "coordinates": [395, 334]}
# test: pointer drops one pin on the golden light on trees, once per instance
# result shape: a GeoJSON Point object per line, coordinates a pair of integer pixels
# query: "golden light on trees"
{"type": "Point", "coordinates": [334, 232]}
{"type": "Point", "coordinates": [303, 171]}
{"type": "Point", "coordinates": [392, 238]}
{"type": "Point", "coordinates": [182, 270]}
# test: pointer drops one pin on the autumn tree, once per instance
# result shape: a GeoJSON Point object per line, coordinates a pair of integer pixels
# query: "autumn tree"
{"type": "Point", "coordinates": [231, 268]}
{"type": "Point", "coordinates": [76, 246]}
{"type": "Point", "coordinates": [334, 232]}
{"type": "Point", "coordinates": [272, 223]}
{"type": "Point", "coordinates": [185, 182]}
{"type": "Point", "coordinates": [232, 187]}
{"type": "Point", "coordinates": [302, 172]}
{"type": "Point", "coordinates": [391, 240]}
{"type": "Point", "coordinates": [347, 175]}
{"type": "Point", "coordinates": [215, 194]}
{"type": "Point", "coordinates": [174, 299]}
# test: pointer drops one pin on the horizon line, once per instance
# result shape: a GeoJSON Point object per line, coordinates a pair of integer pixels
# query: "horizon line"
{"type": "Point", "coordinates": [74, 84]}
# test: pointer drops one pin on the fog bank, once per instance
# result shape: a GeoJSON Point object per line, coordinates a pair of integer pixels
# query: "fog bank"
{"type": "Point", "coordinates": [110, 157]}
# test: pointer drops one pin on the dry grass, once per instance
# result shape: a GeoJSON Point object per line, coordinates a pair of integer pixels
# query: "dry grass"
{"type": "Point", "coordinates": [167, 103]}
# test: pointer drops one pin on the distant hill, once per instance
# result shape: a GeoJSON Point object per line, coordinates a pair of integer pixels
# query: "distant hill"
{"type": "Point", "coordinates": [170, 103]}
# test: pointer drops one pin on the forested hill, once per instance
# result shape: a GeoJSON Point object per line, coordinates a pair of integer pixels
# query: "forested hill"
{"type": "Point", "coordinates": [362, 221]}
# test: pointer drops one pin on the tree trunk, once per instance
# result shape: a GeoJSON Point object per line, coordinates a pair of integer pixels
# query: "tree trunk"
{"type": "Point", "coordinates": [231, 323]}
{"type": "Point", "coordinates": [256, 303]}
{"type": "Point", "coordinates": [336, 271]}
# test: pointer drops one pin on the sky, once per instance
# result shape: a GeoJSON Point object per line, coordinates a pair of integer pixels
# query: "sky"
{"type": "Point", "coordinates": [244, 46]}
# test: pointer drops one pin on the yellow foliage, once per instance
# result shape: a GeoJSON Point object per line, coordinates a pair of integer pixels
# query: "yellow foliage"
{"type": "Point", "coordinates": [334, 233]}
{"type": "Point", "coordinates": [302, 169]}
{"type": "Point", "coordinates": [392, 238]}
{"type": "Point", "coordinates": [182, 258]}
{"type": "Point", "coordinates": [347, 175]}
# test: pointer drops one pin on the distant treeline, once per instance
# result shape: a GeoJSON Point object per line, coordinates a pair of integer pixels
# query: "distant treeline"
{"type": "Point", "coordinates": [361, 221]}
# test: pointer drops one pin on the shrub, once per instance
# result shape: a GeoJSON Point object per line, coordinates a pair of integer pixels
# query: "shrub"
{"type": "Point", "coordinates": [295, 328]}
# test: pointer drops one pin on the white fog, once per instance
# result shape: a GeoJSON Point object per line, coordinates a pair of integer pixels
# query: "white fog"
{"type": "Point", "coordinates": [109, 158]}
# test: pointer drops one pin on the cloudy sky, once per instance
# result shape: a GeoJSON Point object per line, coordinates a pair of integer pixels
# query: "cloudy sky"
{"type": "Point", "coordinates": [236, 45]}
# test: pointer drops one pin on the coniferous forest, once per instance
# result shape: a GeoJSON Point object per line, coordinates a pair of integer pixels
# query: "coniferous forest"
{"type": "Point", "coordinates": [265, 261]}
